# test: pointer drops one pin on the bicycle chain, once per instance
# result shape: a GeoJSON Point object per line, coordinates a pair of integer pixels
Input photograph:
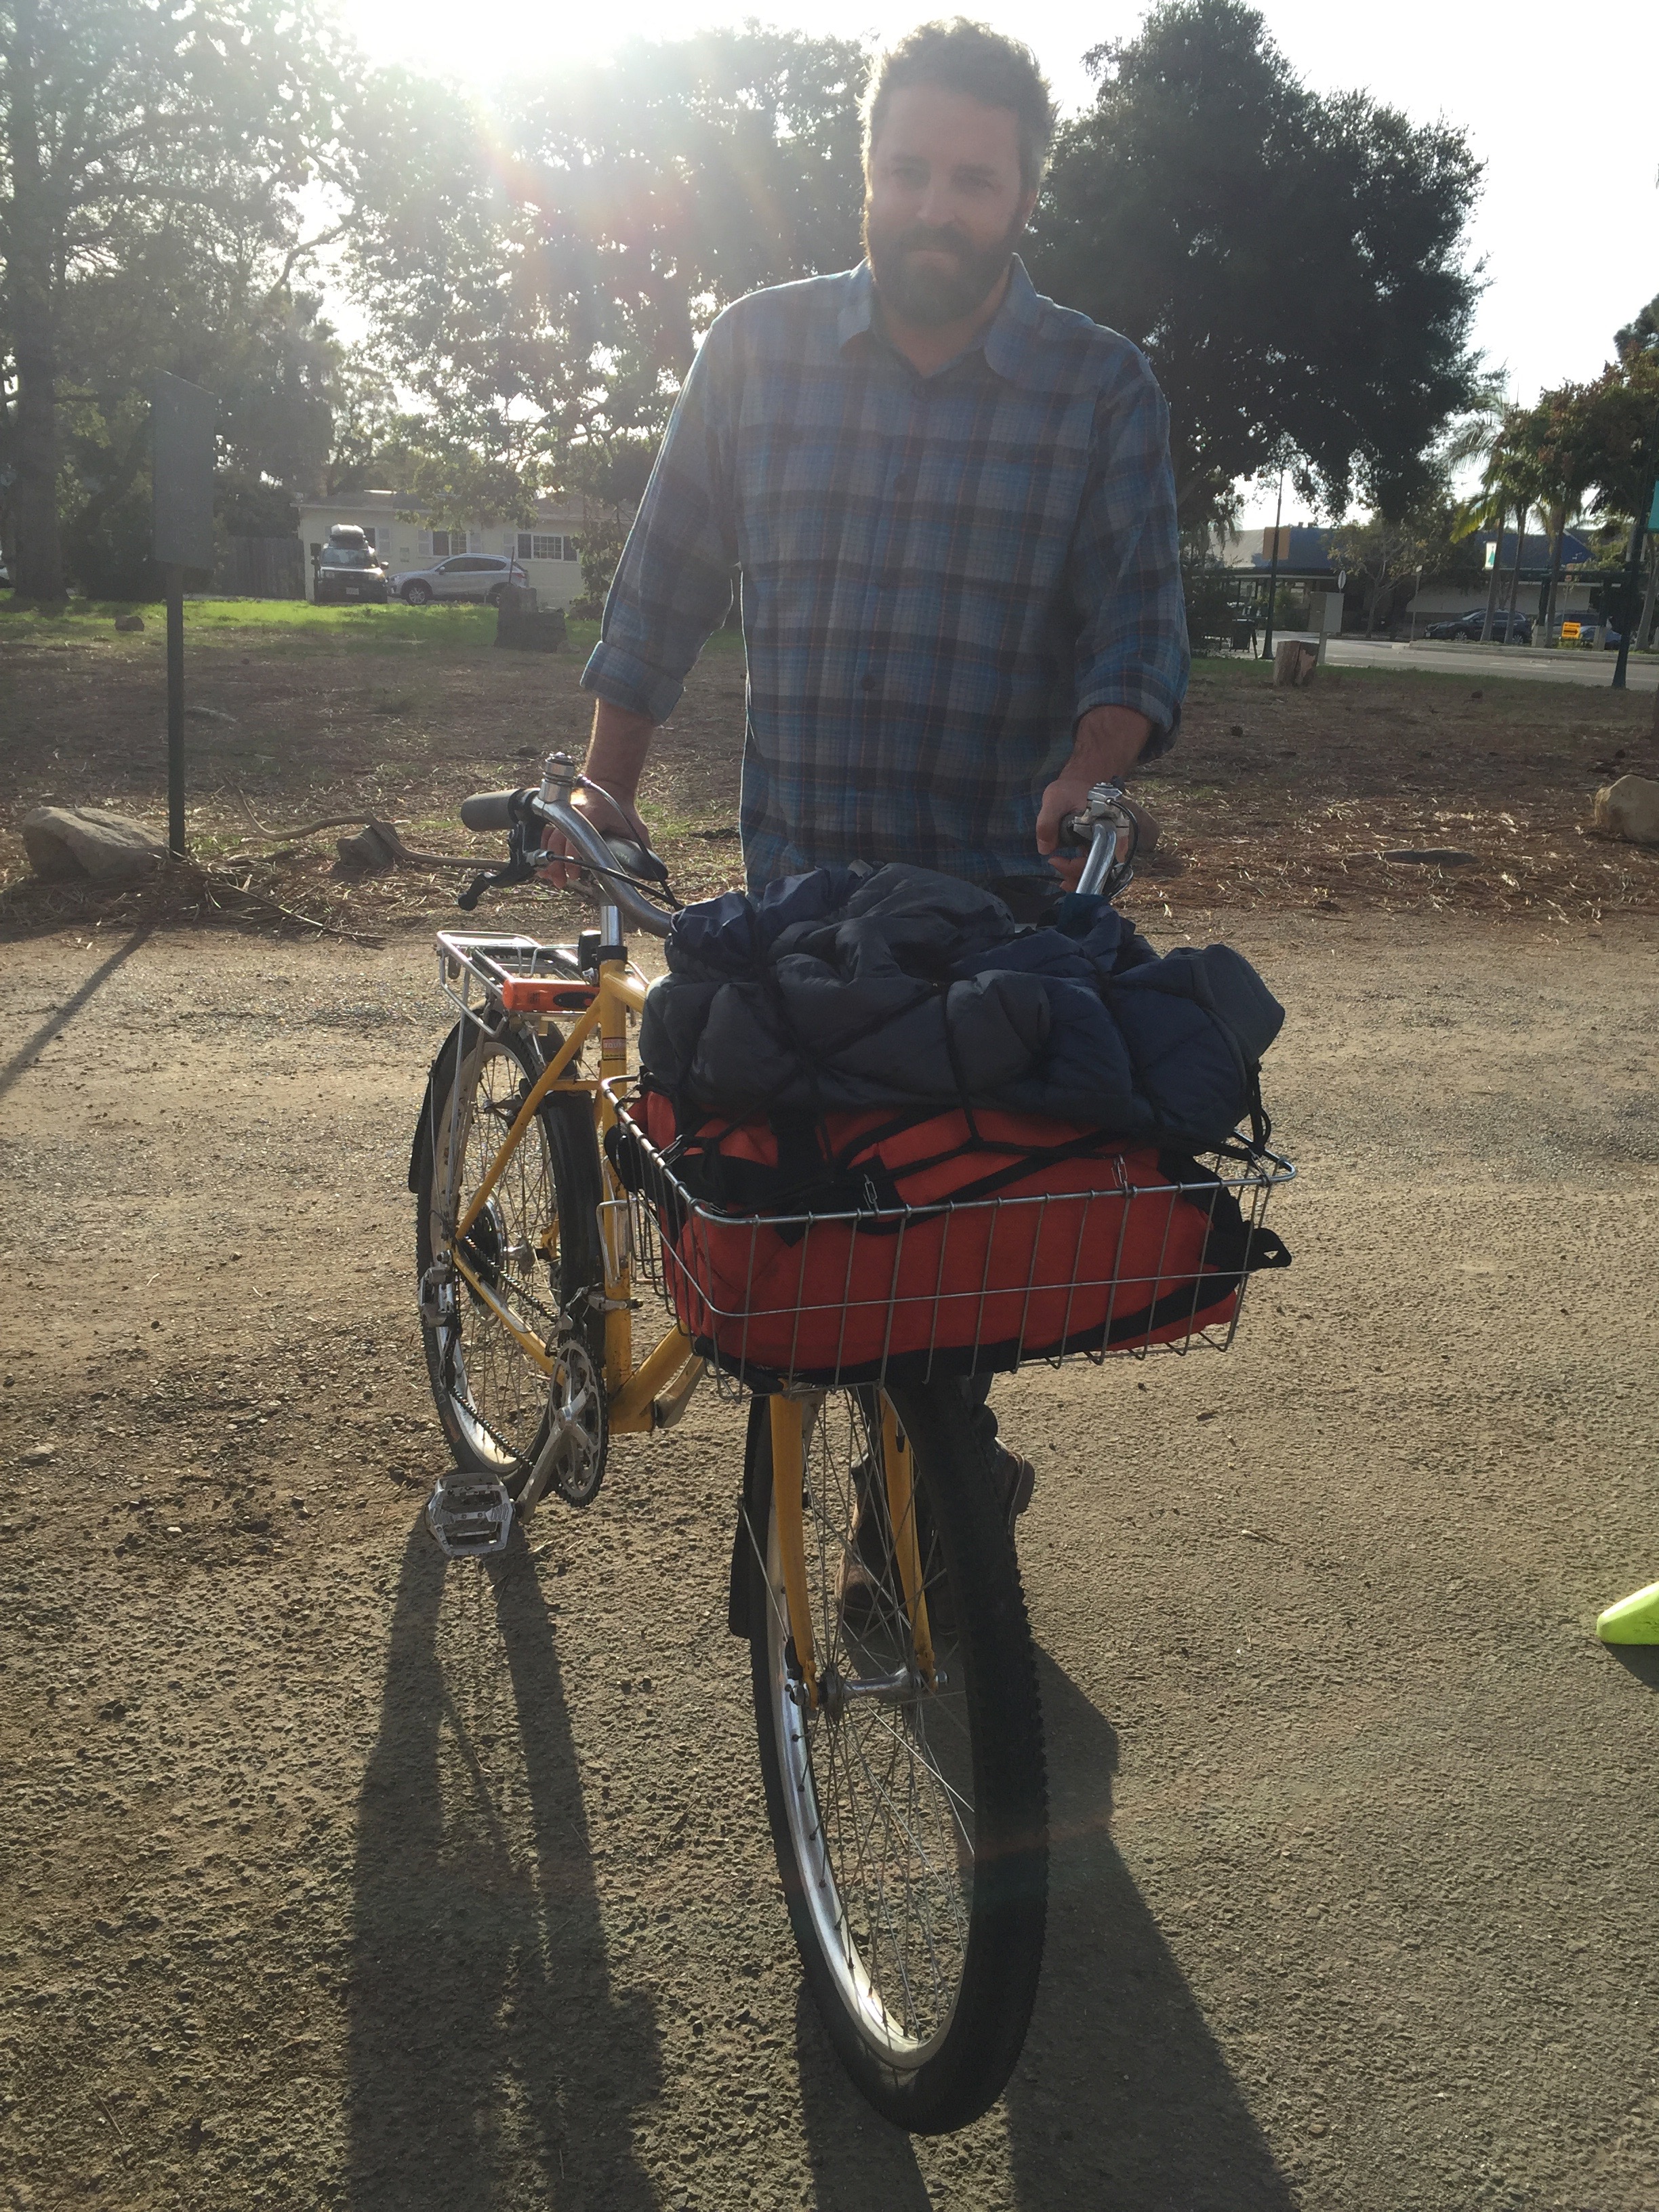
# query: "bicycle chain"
{"type": "Point", "coordinates": [502, 1443]}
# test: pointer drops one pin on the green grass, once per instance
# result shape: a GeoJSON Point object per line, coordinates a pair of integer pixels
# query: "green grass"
{"type": "Point", "coordinates": [287, 625]}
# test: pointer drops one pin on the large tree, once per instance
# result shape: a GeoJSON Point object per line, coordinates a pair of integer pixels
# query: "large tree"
{"type": "Point", "coordinates": [130, 131]}
{"type": "Point", "coordinates": [1293, 266]}
{"type": "Point", "coordinates": [553, 266]}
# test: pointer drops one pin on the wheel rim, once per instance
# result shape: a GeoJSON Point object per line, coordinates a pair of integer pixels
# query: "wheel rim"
{"type": "Point", "coordinates": [498, 1396]}
{"type": "Point", "coordinates": [878, 1794]}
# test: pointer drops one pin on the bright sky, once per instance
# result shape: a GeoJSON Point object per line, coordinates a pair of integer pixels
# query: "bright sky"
{"type": "Point", "coordinates": [1564, 111]}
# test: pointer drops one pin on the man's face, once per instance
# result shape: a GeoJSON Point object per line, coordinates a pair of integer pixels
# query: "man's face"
{"type": "Point", "coordinates": [944, 203]}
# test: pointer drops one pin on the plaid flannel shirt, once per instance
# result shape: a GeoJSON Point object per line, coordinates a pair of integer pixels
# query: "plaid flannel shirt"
{"type": "Point", "coordinates": [939, 575]}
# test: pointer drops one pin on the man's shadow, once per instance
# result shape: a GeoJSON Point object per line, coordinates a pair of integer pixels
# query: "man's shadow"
{"type": "Point", "coordinates": [489, 2063]}
{"type": "Point", "coordinates": [1121, 2101]}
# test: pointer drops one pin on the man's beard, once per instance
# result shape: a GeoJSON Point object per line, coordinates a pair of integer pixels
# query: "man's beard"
{"type": "Point", "coordinates": [932, 295]}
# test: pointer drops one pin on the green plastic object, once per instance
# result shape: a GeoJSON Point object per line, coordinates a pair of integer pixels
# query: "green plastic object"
{"type": "Point", "coordinates": [1634, 1619]}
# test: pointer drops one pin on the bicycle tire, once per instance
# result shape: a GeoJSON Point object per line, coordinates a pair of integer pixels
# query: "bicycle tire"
{"type": "Point", "coordinates": [951, 2058]}
{"type": "Point", "coordinates": [566, 1149]}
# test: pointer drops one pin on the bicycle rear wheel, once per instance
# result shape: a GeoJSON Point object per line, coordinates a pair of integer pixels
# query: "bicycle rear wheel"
{"type": "Point", "coordinates": [534, 1248]}
{"type": "Point", "coordinates": [909, 1817]}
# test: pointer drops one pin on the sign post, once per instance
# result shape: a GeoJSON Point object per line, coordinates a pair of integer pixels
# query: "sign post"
{"type": "Point", "coordinates": [182, 418]}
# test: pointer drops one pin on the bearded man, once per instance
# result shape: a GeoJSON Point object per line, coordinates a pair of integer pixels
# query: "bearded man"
{"type": "Point", "coordinates": [950, 504]}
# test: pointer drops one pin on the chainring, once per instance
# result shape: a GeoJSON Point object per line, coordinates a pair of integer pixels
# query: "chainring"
{"type": "Point", "coordinates": [572, 1456]}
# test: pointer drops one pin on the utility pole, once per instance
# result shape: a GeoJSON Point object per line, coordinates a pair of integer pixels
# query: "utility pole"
{"type": "Point", "coordinates": [1272, 571]}
{"type": "Point", "coordinates": [1633, 560]}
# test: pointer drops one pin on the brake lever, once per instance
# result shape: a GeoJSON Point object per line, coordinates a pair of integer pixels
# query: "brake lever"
{"type": "Point", "coordinates": [521, 868]}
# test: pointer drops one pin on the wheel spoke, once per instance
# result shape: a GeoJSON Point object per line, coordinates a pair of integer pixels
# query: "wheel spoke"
{"type": "Point", "coordinates": [883, 1822]}
{"type": "Point", "coordinates": [498, 1394]}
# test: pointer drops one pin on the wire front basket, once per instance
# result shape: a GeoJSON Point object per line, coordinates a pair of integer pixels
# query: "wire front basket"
{"type": "Point", "coordinates": [1130, 1263]}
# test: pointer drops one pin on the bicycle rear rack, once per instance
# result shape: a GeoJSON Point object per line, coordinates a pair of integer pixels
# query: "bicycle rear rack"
{"type": "Point", "coordinates": [521, 974]}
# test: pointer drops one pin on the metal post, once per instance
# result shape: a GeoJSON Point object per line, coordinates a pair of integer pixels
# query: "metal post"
{"type": "Point", "coordinates": [175, 576]}
{"type": "Point", "coordinates": [1272, 571]}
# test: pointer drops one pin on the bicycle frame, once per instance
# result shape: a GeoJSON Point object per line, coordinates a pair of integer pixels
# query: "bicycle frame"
{"type": "Point", "coordinates": [641, 1400]}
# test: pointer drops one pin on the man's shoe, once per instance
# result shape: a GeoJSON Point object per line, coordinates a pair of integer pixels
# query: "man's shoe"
{"type": "Point", "coordinates": [868, 1573]}
{"type": "Point", "coordinates": [1016, 1479]}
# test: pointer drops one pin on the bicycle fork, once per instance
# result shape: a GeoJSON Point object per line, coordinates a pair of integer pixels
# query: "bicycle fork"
{"type": "Point", "coordinates": [788, 1496]}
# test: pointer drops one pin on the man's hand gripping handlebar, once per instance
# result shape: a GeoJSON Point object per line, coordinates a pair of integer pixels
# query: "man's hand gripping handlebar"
{"type": "Point", "coordinates": [1115, 831]}
{"type": "Point", "coordinates": [623, 870]}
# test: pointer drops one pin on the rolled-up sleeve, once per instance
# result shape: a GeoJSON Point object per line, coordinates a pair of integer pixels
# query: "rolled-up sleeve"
{"type": "Point", "coordinates": [1125, 570]}
{"type": "Point", "coordinates": [673, 587]}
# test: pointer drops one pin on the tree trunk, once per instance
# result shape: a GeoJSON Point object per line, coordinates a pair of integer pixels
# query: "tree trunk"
{"type": "Point", "coordinates": [29, 290]}
{"type": "Point", "coordinates": [1507, 637]}
{"type": "Point", "coordinates": [1558, 533]}
{"type": "Point", "coordinates": [1497, 578]}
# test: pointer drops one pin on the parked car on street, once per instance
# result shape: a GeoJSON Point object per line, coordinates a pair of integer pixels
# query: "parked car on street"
{"type": "Point", "coordinates": [477, 576]}
{"type": "Point", "coordinates": [1506, 628]}
{"type": "Point", "coordinates": [348, 569]}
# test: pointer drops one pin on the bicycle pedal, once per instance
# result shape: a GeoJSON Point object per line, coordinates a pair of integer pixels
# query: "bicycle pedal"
{"type": "Point", "coordinates": [470, 1516]}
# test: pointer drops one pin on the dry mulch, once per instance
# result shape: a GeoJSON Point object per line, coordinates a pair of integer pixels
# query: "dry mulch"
{"type": "Point", "coordinates": [1272, 801]}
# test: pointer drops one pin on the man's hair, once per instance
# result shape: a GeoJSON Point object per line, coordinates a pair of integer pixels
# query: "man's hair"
{"type": "Point", "coordinates": [973, 59]}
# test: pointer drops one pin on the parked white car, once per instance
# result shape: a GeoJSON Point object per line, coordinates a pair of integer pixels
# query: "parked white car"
{"type": "Point", "coordinates": [478, 576]}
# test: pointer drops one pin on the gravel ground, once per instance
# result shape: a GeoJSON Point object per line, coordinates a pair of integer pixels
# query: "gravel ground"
{"type": "Point", "coordinates": [331, 1877]}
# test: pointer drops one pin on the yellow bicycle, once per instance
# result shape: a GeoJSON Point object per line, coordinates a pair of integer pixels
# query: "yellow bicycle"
{"type": "Point", "coordinates": [873, 1575]}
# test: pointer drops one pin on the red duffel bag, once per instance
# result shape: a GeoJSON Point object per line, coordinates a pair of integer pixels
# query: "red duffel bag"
{"type": "Point", "coordinates": [845, 1248]}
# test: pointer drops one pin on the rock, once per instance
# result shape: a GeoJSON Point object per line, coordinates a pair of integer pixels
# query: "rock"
{"type": "Point", "coordinates": [1431, 856]}
{"type": "Point", "coordinates": [37, 1455]}
{"type": "Point", "coordinates": [371, 852]}
{"type": "Point", "coordinates": [128, 622]}
{"type": "Point", "coordinates": [1629, 809]}
{"type": "Point", "coordinates": [523, 631]}
{"type": "Point", "coordinates": [73, 844]}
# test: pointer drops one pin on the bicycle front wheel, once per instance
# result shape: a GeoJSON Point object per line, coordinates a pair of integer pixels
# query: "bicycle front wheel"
{"type": "Point", "coordinates": [908, 1813]}
{"type": "Point", "coordinates": [532, 1253]}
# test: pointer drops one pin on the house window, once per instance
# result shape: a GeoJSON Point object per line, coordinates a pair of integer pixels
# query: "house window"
{"type": "Point", "coordinates": [446, 542]}
{"type": "Point", "coordinates": [532, 546]}
{"type": "Point", "coordinates": [570, 551]}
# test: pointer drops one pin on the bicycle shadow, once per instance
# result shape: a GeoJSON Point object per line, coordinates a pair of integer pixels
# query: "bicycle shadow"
{"type": "Point", "coordinates": [1121, 2097]}
{"type": "Point", "coordinates": [488, 2061]}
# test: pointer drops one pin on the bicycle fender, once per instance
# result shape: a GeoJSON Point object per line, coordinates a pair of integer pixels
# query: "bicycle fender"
{"type": "Point", "coordinates": [424, 1126]}
{"type": "Point", "coordinates": [750, 1517]}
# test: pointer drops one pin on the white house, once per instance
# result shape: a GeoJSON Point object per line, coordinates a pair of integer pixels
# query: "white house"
{"type": "Point", "coordinates": [549, 553]}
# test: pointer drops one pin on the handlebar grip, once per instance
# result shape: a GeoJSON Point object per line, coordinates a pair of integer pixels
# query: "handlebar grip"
{"type": "Point", "coordinates": [488, 809]}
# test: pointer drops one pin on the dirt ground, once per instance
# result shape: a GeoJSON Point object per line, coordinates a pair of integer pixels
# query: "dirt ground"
{"type": "Point", "coordinates": [330, 1876]}
{"type": "Point", "coordinates": [1272, 801]}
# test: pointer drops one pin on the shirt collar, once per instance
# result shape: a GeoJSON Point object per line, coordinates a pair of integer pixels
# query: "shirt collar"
{"type": "Point", "coordinates": [1006, 345]}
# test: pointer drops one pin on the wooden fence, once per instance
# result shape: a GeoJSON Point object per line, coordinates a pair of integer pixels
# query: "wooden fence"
{"type": "Point", "coordinates": [261, 569]}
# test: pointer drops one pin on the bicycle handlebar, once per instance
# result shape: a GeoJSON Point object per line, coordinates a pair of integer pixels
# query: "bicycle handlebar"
{"type": "Point", "coordinates": [488, 809]}
{"type": "Point", "coordinates": [1112, 826]}
{"type": "Point", "coordinates": [615, 864]}
{"type": "Point", "coordinates": [1115, 830]}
